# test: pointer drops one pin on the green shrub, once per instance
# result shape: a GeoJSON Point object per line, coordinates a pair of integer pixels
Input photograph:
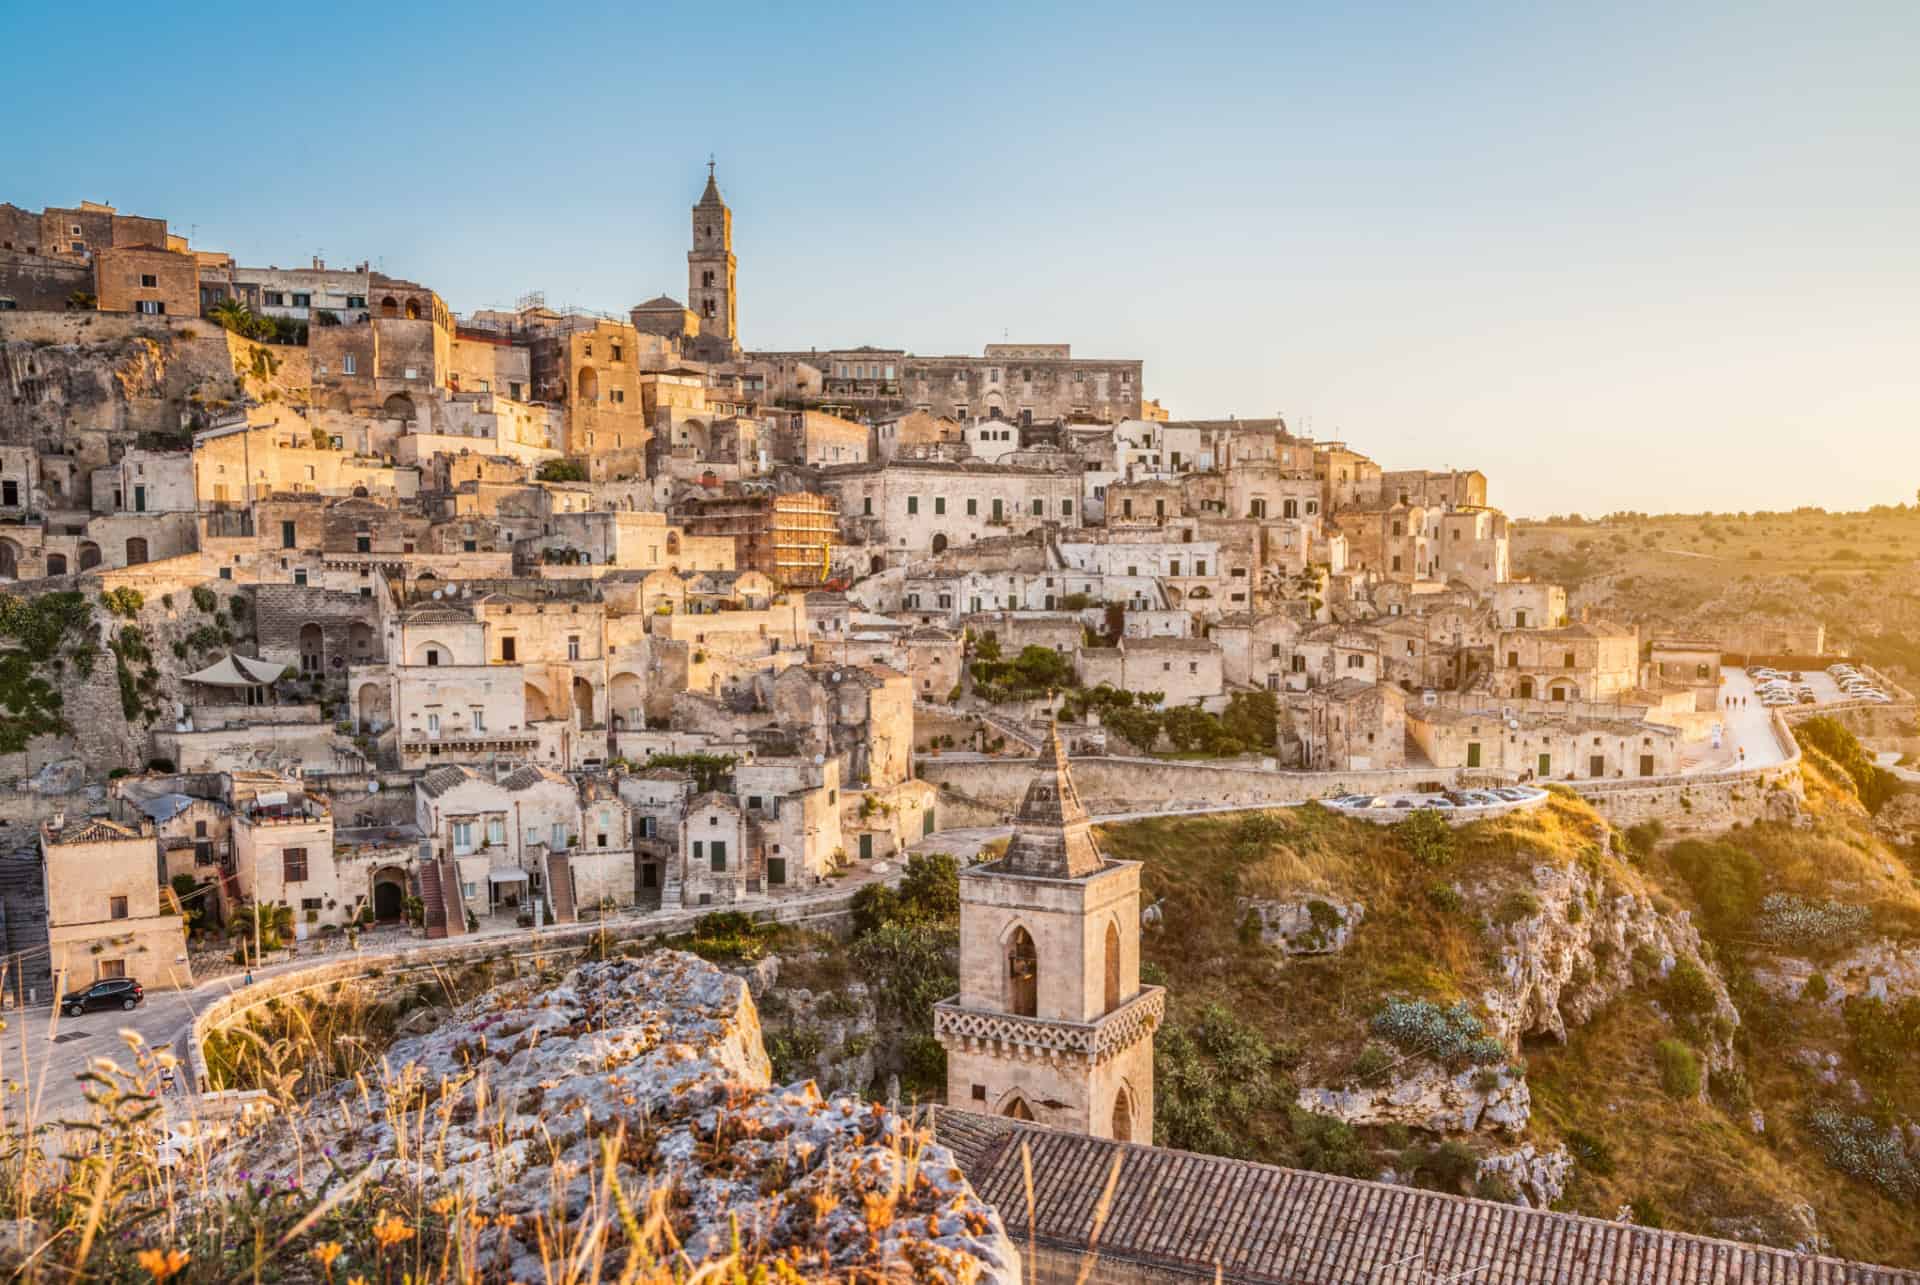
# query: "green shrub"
{"type": "Point", "coordinates": [1688, 992]}
{"type": "Point", "coordinates": [1643, 838]}
{"type": "Point", "coordinates": [1443, 1034]}
{"type": "Point", "coordinates": [1515, 906]}
{"type": "Point", "coordinates": [1446, 1166]}
{"type": "Point", "coordinates": [204, 598]}
{"type": "Point", "coordinates": [1860, 1147]}
{"type": "Point", "coordinates": [1372, 1060]}
{"type": "Point", "coordinates": [1593, 1153]}
{"type": "Point", "coordinates": [1426, 836]}
{"type": "Point", "coordinates": [1885, 1035]}
{"type": "Point", "coordinates": [1787, 920]}
{"type": "Point", "coordinates": [1725, 880]}
{"type": "Point", "coordinates": [123, 602]}
{"type": "Point", "coordinates": [1213, 1077]}
{"type": "Point", "coordinates": [1327, 1145]}
{"type": "Point", "coordinates": [1444, 897]}
{"type": "Point", "coordinates": [1815, 989]}
{"type": "Point", "coordinates": [1874, 784]}
{"type": "Point", "coordinates": [1679, 1068]}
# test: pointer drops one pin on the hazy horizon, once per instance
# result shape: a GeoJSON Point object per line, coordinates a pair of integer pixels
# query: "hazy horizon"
{"type": "Point", "coordinates": [1638, 259]}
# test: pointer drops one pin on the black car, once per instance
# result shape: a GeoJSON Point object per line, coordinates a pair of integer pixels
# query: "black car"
{"type": "Point", "coordinates": [112, 992]}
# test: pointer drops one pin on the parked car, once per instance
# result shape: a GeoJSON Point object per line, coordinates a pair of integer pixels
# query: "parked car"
{"type": "Point", "coordinates": [1808, 698]}
{"type": "Point", "coordinates": [109, 992]}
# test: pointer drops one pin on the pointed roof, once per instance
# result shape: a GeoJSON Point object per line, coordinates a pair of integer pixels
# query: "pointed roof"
{"type": "Point", "coordinates": [1052, 835]}
{"type": "Point", "coordinates": [660, 303]}
{"type": "Point", "coordinates": [711, 197]}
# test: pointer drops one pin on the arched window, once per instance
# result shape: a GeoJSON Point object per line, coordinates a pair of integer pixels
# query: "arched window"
{"type": "Point", "coordinates": [413, 310]}
{"type": "Point", "coordinates": [1023, 975]}
{"type": "Point", "coordinates": [1017, 1109]}
{"type": "Point", "coordinates": [1113, 967]}
{"type": "Point", "coordinates": [589, 382]}
{"type": "Point", "coordinates": [1123, 1116]}
{"type": "Point", "coordinates": [389, 307]}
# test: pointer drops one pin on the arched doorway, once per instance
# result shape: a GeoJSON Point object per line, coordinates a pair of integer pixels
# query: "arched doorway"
{"type": "Point", "coordinates": [627, 707]}
{"type": "Point", "coordinates": [413, 310]}
{"type": "Point", "coordinates": [390, 307]}
{"type": "Point", "coordinates": [589, 385]}
{"type": "Point", "coordinates": [400, 406]}
{"type": "Point", "coordinates": [1123, 1116]}
{"type": "Point", "coordinates": [374, 707]}
{"type": "Point", "coordinates": [56, 564]}
{"type": "Point", "coordinates": [1113, 967]}
{"type": "Point", "coordinates": [583, 702]}
{"type": "Point", "coordinates": [940, 542]}
{"type": "Point", "coordinates": [313, 648]}
{"type": "Point", "coordinates": [389, 893]}
{"type": "Point", "coordinates": [1017, 1108]}
{"type": "Point", "coordinates": [538, 711]}
{"type": "Point", "coordinates": [876, 565]}
{"type": "Point", "coordinates": [89, 555]}
{"type": "Point", "coordinates": [9, 559]}
{"type": "Point", "coordinates": [1023, 975]}
{"type": "Point", "coordinates": [136, 550]}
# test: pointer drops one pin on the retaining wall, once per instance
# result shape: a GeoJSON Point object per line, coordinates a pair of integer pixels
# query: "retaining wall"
{"type": "Point", "coordinates": [1113, 783]}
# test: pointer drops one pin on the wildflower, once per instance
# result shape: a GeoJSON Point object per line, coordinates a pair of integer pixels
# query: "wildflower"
{"type": "Point", "coordinates": [161, 1265]}
{"type": "Point", "coordinates": [442, 1206]}
{"type": "Point", "coordinates": [324, 1254]}
{"type": "Point", "coordinates": [389, 1230]}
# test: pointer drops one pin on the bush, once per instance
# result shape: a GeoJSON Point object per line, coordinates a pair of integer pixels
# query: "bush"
{"type": "Point", "coordinates": [1643, 838]}
{"type": "Point", "coordinates": [1874, 784]}
{"type": "Point", "coordinates": [1443, 1034]}
{"type": "Point", "coordinates": [1327, 1145]}
{"type": "Point", "coordinates": [1426, 836]}
{"type": "Point", "coordinates": [1593, 1153]}
{"type": "Point", "coordinates": [1679, 1068]}
{"type": "Point", "coordinates": [1885, 1035]}
{"type": "Point", "coordinates": [1859, 1147]}
{"type": "Point", "coordinates": [1447, 1166]}
{"type": "Point", "coordinates": [1515, 906]}
{"type": "Point", "coordinates": [204, 598]}
{"type": "Point", "coordinates": [1727, 882]}
{"type": "Point", "coordinates": [123, 602]}
{"type": "Point", "coordinates": [1815, 989]}
{"type": "Point", "coordinates": [1444, 897]}
{"type": "Point", "coordinates": [1372, 1060]}
{"type": "Point", "coordinates": [1689, 992]}
{"type": "Point", "coordinates": [1212, 1078]}
{"type": "Point", "coordinates": [562, 471]}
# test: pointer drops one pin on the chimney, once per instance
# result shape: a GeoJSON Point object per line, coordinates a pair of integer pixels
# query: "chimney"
{"type": "Point", "coordinates": [319, 264]}
{"type": "Point", "coordinates": [57, 822]}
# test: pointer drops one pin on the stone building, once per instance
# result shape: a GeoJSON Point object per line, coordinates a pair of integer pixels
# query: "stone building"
{"type": "Point", "coordinates": [78, 232]}
{"type": "Point", "coordinates": [1350, 726]}
{"type": "Point", "coordinates": [283, 852]}
{"type": "Point", "coordinates": [1470, 546]}
{"type": "Point", "coordinates": [908, 509]}
{"type": "Point", "coordinates": [1051, 1023]}
{"type": "Point", "coordinates": [1584, 661]}
{"type": "Point", "coordinates": [1543, 746]}
{"type": "Point", "coordinates": [788, 536]}
{"type": "Point", "coordinates": [1692, 663]}
{"type": "Point", "coordinates": [105, 914]}
{"type": "Point", "coordinates": [1186, 671]}
{"type": "Point", "coordinates": [151, 280]}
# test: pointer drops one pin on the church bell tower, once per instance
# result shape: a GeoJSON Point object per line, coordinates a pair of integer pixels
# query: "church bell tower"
{"type": "Point", "coordinates": [710, 267]}
{"type": "Point", "coordinates": [1051, 1023]}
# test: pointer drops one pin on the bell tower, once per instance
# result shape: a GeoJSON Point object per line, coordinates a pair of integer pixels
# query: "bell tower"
{"type": "Point", "coordinates": [1051, 1023]}
{"type": "Point", "coordinates": [710, 266]}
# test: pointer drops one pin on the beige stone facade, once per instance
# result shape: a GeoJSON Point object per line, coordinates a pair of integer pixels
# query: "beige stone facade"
{"type": "Point", "coordinates": [105, 914]}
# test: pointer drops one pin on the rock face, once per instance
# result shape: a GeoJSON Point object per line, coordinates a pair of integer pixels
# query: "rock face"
{"type": "Point", "coordinates": [1567, 960]}
{"type": "Point", "coordinates": [832, 1035]}
{"type": "Point", "coordinates": [1882, 969]}
{"type": "Point", "coordinates": [1307, 925]}
{"type": "Point", "coordinates": [657, 1062]}
{"type": "Point", "coordinates": [1538, 1178]}
{"type": "Point", "coordinates": [1432, 1098]}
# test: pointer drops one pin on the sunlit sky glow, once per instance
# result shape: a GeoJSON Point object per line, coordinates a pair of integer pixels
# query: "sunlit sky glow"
{"type": "Point", "coordinates": [1643, 256]}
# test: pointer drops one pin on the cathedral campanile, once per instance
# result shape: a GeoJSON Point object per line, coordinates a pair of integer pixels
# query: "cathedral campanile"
{"type": "Point", "coordinates": [710, 267]}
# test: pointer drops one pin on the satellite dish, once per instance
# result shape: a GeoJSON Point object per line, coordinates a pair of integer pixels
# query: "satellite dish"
{"type": "Point", "coordinates": [1513, 724]}
{"type": "Point", "coordinates": [373, 787]}
{"type": "Point", "coordinates": [436, 595]}
{"type": "Point", "coordinates": [819, 760]}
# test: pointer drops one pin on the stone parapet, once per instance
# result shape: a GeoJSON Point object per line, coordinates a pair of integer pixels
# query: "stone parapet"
{"type": "Point", "coordinates": [1028, 1038]}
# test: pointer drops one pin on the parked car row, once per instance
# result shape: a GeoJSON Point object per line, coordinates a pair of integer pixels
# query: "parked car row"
{"type": "Point", "coordinates": [1498, 796]}
{"type": "Point", "coordinates": [1783, 690]}
{"type": "Point", "coordinates": [1857, 686]}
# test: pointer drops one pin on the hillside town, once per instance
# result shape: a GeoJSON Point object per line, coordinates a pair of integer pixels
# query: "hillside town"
{"type": "Point", "coordinates": [336, 620]}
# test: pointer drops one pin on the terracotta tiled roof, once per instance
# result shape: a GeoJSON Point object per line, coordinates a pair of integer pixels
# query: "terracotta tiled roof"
{"type": "Point", "coordinates": [1266, 1225]}
{"type": "Point", "coordinates": [441, 779]}
{"type": "Point", "coordinates": [90, 830]}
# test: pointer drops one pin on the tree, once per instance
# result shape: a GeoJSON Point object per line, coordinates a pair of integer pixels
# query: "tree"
{"type": "Point", "coordinates": [562, 471]}
{"type": "Point", "coordinates": [234, 315]}
{"type": "Point", "coordinates": [82, 301]}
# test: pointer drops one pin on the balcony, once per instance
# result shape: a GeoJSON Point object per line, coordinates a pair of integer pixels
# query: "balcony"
{"type": "Point", "coordinates": [1007, 1034]}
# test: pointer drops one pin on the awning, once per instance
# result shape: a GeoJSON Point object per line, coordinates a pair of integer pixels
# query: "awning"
{"type": "Point", "coordinates": [506, 876]}
{"type": "Point", "coordinates": [237, 671]}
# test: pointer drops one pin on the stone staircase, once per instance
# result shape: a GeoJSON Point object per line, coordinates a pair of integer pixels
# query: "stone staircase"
{"type": "Point", "coordinates": [444, 914]}
{"type": "Point", "coordinates": [23, 928]}
{"type": "Point", "coordinates": [560, 889]}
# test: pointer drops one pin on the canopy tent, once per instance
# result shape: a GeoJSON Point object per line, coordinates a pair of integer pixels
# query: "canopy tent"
{"type": "Point", "coordinates": [238, 671]}
{"type": "Point", "coordinates": [506, 876]}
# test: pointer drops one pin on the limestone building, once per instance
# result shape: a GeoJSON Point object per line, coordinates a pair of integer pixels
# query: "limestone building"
{"type": "Point", "coordinates": [1051, 1023]}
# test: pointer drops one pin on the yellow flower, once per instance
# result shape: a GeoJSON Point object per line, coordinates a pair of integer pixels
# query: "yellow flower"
{"type": "Point", "coordinates": [389, 1230]}
{"type": "Point", "coordinates": [327, 1253]}
{"type": "Point", "coordinates": [442, 1206]}
{"type": "Point", "coordinates": [160, 1265]}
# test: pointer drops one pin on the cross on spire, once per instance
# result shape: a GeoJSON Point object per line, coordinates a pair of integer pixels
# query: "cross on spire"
{"type": "Point", "coordinates": [709, 164]}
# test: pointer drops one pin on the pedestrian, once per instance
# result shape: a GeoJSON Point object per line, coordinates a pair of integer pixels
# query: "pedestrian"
{"type": "Point", "coordinates": [166, 1079]}
{"type": "Point", "coordinates": [1743, 753]}
{"type": "Point", "coordinates": [249, 974]}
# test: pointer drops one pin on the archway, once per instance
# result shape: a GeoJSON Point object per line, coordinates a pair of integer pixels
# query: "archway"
{"type": "Point", "coordinates": [628, 703]}
{"type": "Point", "coordinates": [360, 641]}
{"type": "Point", "coordinates": [9, 559]}
{"type": "Point", "coordinates": [588, 384]}
{"type": "Point", "coordinates": [389, 893]}
{"type": "Point", "coordinates": [389, 307]}
{"type": "Point", "coordinates": [89, 555]}
{"type": "Point", "coordinates": [1113, 967]}
{"type": "Point", "coordinates": [56, 564]}
{"type": "Point", "coordinates": [538, 711]}
{"type": "Point", "coordinates": [374, 707]}
{"type": "Point", "coordinates": [1017, 1108]}
{"type": "Point", "coordinates": [136, 550]}
{"type": "Point", "coordinates": [313, 648]}
{"type": "Point", "coordinates": [940, 542]}
{"type": "Point", "coordinates": [1023, 975]}
{"type": "Point", "coordinates": [431, 653]}
{"type": "Point", "coordinates": [400, 406]}
{"type": "Point", "coordinates": [583, 702]}
{"type": "Point", "coordinates": [413, 310]}
{"type": "Point", "coordinates": [1123, 1116]}
{"type": "Point", "coordinates": [876, 565]}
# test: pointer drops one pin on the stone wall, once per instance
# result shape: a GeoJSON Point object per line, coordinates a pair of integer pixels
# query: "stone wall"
{"type": "Point", "coordinates": [1114, 784]}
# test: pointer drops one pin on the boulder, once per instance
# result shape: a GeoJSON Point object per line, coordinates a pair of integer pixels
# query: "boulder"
{"type": "Point", "coordinates": [1537, 1178]}
{"type": "Point", "coordinates": [1304, 924]}
{"type": "Point", "coordinates": [531, 1082]}
{"type": "Point", "coordinates": [1433, 1098]}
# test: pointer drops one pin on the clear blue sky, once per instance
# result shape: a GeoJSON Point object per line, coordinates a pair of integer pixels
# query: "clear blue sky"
{"type": "Point", "coordinates": [1644, 256]}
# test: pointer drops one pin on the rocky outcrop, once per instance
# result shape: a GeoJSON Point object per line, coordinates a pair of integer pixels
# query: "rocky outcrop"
{"type": "Point", "coordinates": [1432, 1098]}
{"type": "Point", "coordinates": [1535, 1178]}
{"type": "Point", "coordinates": [655, 1065]}
{"type": "Point", "coordinates": [1577, 948]}
{"type": "Point", "coordinates": [1882, 969]}
{"type": "Point", "coordinates": [829, 1036]}
{"type": "Point", "coordinates": [1305, 924]}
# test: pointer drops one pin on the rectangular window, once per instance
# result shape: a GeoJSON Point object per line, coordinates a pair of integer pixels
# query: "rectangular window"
{"type": "Point", "coordinates": [913, 504]}
{"type": "Point", "coordinates": [496, 831]}
{"type": "Point", "coordinates": [1473, 754]}
{"type": "Point", "coordinates": [463, 836]}
{"type": "Point", "coordinates": [363, 544]}
{"type": "Point", "coordinates": [973, 508]}
{"type": "Point", "coordinates": [113, 968]}
{"type": "Point", "coordinates": [152, 307]}
{"type": "Point", "coordinates": [1039, 508]}
{"type": "Point", "coordinates": [286, 535]}
{"type": "Point", "coordinates": [507, 648]}
{"type": "Point", "coordinates": [346, 364]}
{"type": "Point", "coordinates": [148, 281]}
{"type": "Point", "coordinates": [479, 719]}
{"type": "Point", "coordinates": [940, 504]}
{"type": "Point", "coordinates": [717, 850]}
{"type": "Point", "coordinates": [293, 865]}
{"type": "Point", "coordinates": [573, 647]}
{"type": "Point", "coordinates": [116, 907]}
{"type": "Point", "coordinates": [1066, 508]}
